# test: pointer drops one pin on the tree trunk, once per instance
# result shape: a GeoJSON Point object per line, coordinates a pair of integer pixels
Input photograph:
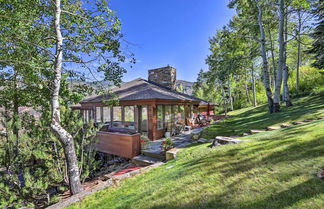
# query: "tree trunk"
{"type": "Point", "coordinates": [286, 94]}
{"type": "Point", "coordinates": [299, 51]}
{"type": "Point", "coordinates": [224, 100]}
{"type": "Point", "coordinates": [247, 88]}
{"type": "Point", "coordinates": [274, 71]}
{"type": "Point", "coordinates": [276, 98]}
{"type": "Point", "coordinates": [65, 138]}
{"type": "Point", "coordinates": [15, 129]}
{"type": "Point", "coordinates": [266, 80]}
{"type": "Point", "coordinates": [253, 86]}
{"type": "Point", "coordinates": [230, 94]}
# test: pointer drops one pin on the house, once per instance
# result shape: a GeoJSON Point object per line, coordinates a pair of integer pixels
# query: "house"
{"type": "Point", "coordinates": [147, 107]}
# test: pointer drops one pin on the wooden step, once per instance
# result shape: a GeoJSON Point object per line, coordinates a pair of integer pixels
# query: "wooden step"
{"type": "Point", "coordinates": [297, 122]}
{"type": "Point", "coordinates": [255, 131]}
{"type": "Point", "coordinates": [246, 134]}
{"type": "Point", "coordinates": [308, 120]}
{"type": "Point", "coordinates": [272, 128]}
{"type": "Point", "coordinates": [144, 160]}
{"type": "Point", "coordinates": [285, 125]}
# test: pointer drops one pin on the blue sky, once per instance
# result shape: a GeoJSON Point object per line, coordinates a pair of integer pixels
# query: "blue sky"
{"type": "Point", "coordinates": [173, 32]}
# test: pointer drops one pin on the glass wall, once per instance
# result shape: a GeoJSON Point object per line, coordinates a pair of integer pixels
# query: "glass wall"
{"type": "Point", "coordinates": [129, 117]}
{"type": "Point", "coordinates": [98, 115]}
{"type": "Point", "coordinates": [160, 117]}
{"type": "Point", "coordinates": [87, 115]}
{"type": "Point", "coordinates": [106, 115]}
{"type": "Point", "coordinates": [175, 111]}
{"type": "Point", "coordinates": [117, 117]}
{"type": "Point", "coordinates": [168, 118]}
{"type": "Point", "coordinates": [181, 114]}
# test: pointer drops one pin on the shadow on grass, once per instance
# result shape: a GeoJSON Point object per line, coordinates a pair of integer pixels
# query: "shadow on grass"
{"type": "Point", "coordinates": [289, 197]}
{"type": "Point", "coordinates": [259, 118]}
{"type": "Point", "coordinates": [266, 153]}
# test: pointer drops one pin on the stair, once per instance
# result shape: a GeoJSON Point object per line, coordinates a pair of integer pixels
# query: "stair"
{"type": "Point", "coordinates": [255, 131]}
{"type": "Point", "coordinates": [154, 154]}
{"type": "Point", "coordinates": [285, 125]}
{"type": "Point", "coordinates": [272, 128]}
{"type": "Point", "coordinates": [297, 123]}
{"type": "Point", "coordinates": [144, 160]}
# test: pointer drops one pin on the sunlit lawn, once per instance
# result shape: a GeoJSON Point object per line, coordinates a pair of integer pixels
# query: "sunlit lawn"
{"type": "Point", "coordinates": [258, 118]}
{"type": "Point", "coordinates": [275, 169]}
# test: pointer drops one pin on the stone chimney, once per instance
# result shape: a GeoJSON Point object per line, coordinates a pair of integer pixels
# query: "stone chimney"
{"type": "Point", "coordinates": [165, 76]}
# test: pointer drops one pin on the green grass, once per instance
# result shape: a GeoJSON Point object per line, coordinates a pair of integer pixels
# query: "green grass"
{"type": "Point", "coordinates": [259, 118]}
{"type": "Point", "coordinates": [275, 169]}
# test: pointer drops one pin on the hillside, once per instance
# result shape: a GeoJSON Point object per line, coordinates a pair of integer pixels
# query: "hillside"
{"type": "Point", "coordinates": [274, 169]}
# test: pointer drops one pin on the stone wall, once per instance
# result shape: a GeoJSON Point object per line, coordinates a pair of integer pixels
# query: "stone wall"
{"type": "Point", "coordinates": [165, 76]}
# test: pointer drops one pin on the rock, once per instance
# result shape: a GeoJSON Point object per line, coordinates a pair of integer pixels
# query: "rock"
{"type": "Point", "coordinates": [144, 160]}
{"type": "Point", "coordinates": [308, 120]}
{"type": "Point", "coordinates": [246, 134]}
{"type": "Point", "coordinates": [255, 131]}
{"type": "Point", "coordinates": [285, 125]}
{"type": "Point", "coordinates": [196, 133]}
{"type": "Point", "coordinates": [227, 140]}
{"type": "Point", "coordinates": [320, 174]}
{"type": "Point", "coordinates": [202, 140]}
{"type": "Point", "coordinates": [321, 117]}
{"type": "Point", "coordinates": [221, 140]}
{"type": "Point", "coordinates": [171, 154]}
{"type": "Point", "coordinates": [297, 123]}
{"type": "Point", "coordinates": [272, 128]}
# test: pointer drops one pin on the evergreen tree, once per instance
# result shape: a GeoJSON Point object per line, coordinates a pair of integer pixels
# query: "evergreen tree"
{"type": "Point", "coordinates": [318, 35]}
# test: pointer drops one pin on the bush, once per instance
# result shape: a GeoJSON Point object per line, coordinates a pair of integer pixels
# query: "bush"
{"type": "Point", "coordinates": [311, 80]}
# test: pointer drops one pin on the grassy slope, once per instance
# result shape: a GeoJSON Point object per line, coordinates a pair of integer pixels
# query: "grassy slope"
{"type": "Point", "coordinates": [258, 118]}
{"type": "Point", "coordinates": [271, 170]}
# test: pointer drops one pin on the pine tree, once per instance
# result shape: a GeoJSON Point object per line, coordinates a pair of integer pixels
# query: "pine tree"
{"type": "Point", "coordinates": [318, 35]}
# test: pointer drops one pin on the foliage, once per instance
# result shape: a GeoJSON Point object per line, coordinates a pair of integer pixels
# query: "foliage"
{"type": "Point", "coordinates": [234, 61]}
{"type": "Point", "coordinates": [38, 172]}
{"type": "Point", "coordinates": [32, 157]}
{"type": "Point", "coordinates": [311, 81]}
{"type": "Point", "coordinates": [167, 144]}
{"type": "Point", "coordinates": [318, 36]}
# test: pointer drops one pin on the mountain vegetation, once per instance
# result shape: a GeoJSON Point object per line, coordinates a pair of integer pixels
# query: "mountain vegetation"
{"type": "Point", "coordinates": [268, 52]}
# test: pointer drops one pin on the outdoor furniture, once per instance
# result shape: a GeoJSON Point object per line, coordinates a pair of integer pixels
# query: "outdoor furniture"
{"type": "Point", "coordinates": [179, 127]}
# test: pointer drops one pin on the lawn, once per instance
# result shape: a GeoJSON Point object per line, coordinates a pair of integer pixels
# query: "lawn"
{"type": "Point", "coordinates": [275, 169]}
{"type": "Point", "coordinates": [259, 118]}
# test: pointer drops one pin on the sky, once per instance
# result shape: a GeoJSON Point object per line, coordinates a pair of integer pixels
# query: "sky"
{"type": "Point", "coordinates": [170, 32]}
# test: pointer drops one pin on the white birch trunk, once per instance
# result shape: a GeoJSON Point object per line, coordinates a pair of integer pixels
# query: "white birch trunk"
{"type": "Point", "coordinates": [65, 138]}
{"type": "Point", "coordinates": [286, 95]}
{"type": "Point", "coordinates": [253, 86]}
{"type": "Point", "coordinates": [230, 94]}
{"type": "Point", "coordinates": [299, 51]}
{"type": "Point", "coordinates": [265, 68]}
{"type": "Point", "coordinates": [281, 42]}
{"type": "Point", "coordinates": [224, 100]}
{"type": "Point", "coordinates": [273, 60]}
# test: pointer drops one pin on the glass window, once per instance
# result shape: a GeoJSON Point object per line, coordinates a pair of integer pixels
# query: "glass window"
{"type": "Point", "coordinates": [168, 118]}
{"type": "Point", "coordinates": [159, 116]}
{"type": "Point", "coordinates": [106, 114]}
{"type": "Point", "coordinates": [85, 116]}
{"type": "Point", "coordinates": [98, 114]}
{"type": "Point", "coordinates": [144, 122]}
{"type": "Point", "coordinates": [129, 121]}
{"type": "Point", "coordinates": [117, 117]}
{"type": "Point", "coordinates": [175, 112]}
{"type": "Point", "coordinates": [181, 114]}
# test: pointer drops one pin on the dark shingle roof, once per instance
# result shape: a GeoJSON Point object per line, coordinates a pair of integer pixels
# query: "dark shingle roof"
{"type": "Point", "coordinates": [141, 89]}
